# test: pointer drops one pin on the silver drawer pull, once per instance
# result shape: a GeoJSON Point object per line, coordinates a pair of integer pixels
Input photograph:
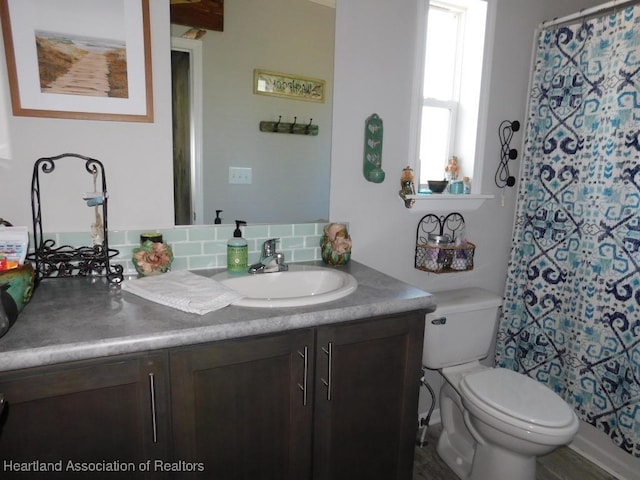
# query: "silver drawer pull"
{"type": "Point", "coordinates": [152, 391]}
{"type": "Point", "coordinates": [327, 382]}
{"type": "Point", "coordinates": [305, 375]}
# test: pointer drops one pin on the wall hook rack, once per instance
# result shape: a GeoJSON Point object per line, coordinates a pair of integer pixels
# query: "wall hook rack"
{"type": "Point", "coordinates": [294, 127]}
{"type": "Point", "coordinates": [503, 177]}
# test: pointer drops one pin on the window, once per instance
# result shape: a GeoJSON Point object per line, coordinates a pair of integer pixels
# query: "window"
{"type": "Point", "coordinates": [450, 99]}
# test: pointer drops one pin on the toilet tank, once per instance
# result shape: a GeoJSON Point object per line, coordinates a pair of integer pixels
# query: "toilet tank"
{"type": "Point", "coordinates": [461, 329]}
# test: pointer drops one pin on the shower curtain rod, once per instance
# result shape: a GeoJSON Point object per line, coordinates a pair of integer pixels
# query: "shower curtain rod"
{"type": "Point", "coordinates": [586, 12]}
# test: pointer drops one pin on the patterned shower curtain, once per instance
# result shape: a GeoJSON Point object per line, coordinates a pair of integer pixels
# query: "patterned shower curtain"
{"type": "Point", "coordinates": [571, 313]}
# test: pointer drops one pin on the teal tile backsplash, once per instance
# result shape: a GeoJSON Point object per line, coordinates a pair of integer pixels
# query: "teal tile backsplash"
{"type": "Point", "coordinates": [201, 247]}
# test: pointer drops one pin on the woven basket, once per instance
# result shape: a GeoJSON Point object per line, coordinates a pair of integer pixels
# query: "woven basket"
{"type": "Point", "coordinates": [443, 259]}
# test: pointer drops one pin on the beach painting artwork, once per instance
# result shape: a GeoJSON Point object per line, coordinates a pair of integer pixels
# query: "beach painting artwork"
{"type": "Point", "coordinates": [85, 59]}
{"type": "Point", "coordinates": [77, 65]}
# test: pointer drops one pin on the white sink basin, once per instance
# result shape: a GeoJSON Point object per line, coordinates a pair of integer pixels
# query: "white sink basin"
{"type": "Point", "coordinates": [301, 285]}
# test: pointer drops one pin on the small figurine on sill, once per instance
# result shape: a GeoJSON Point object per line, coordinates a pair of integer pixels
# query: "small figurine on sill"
{"type": "Point", "coordinates": [408, 187]}
{"type": "Point", "coordinates": [452, 170]}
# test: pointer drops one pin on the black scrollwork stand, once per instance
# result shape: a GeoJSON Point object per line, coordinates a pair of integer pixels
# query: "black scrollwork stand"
{"type": "Point", "coordinates": [68, 261]}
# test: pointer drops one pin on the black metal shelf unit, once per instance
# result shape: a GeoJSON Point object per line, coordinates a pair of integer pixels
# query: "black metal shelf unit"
{"type": "Point", "coordinates": [66, 260]}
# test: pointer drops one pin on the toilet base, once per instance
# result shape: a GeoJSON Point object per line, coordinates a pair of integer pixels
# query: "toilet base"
{"type": "Point", "coordinates": [495, 462]}
{"type": "Point", "coordinates": [457, 459]}
{"type": "Point", "coordinates": [456, 446]}
{"type": "Point", "coordinates": [475, 456]}
{"type": "Point", "coordinates": [484, 462]}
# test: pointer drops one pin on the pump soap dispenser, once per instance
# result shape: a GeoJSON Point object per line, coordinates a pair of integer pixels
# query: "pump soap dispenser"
{"type": "Point", "coordinates": [237, 251]}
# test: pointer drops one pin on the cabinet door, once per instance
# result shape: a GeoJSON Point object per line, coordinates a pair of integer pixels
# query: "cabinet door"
{"type": "Point", "coordinates": [242, 409]}
{"type": "Point", "coordinates": [367, 382]}
{"type": "Point", "coordinates": [83, 419]}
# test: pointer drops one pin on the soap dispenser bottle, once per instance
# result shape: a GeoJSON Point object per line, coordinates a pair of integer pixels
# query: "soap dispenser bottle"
{"type": "Point", "coordinates": [237, 251]}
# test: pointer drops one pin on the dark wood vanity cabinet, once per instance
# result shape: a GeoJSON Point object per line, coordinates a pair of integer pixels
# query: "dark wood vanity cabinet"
{"type": "Point", "coordinates": [326, 403]}
{"type": "Point", "coordinates": [367, 384]}
{"type": "Point", "coordinates": [261, 408]}
{"type": "Point", "coordinates": [79, 417]}
{"type": "Point", "coordinates": [239, 407]}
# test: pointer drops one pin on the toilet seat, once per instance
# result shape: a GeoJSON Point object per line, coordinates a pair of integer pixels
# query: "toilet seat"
{"type": "Point", "coordinates": [517, 400]}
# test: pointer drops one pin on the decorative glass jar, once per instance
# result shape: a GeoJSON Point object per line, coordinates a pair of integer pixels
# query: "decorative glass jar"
{"type": "Point", "coordinates": [335, 244]}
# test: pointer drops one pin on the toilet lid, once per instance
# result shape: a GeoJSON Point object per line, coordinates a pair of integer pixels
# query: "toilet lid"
{"type": "Point", "coordinates": [518, 396]}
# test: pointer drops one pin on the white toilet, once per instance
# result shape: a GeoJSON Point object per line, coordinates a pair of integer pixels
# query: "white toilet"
{"type": "Point", "coordinates": [494, 421]}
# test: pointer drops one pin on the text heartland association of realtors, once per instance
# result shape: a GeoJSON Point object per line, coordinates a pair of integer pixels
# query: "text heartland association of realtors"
{"type": "Point", "coordinates": [102, 466]}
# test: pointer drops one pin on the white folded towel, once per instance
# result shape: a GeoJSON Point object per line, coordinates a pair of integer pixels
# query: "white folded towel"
{"type": "Point", "coordinates": [183, 290]}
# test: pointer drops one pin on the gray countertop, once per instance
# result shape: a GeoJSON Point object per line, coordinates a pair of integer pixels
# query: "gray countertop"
{"type": "Point", "coordinates": [79, 318]}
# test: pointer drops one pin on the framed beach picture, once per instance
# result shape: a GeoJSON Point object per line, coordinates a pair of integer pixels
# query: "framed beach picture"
{"type": "Point", "coordinates": [81, 59]}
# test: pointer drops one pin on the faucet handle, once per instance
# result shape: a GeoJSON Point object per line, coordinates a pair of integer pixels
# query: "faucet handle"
{"type": "Point", "coordinates": [269, 247]}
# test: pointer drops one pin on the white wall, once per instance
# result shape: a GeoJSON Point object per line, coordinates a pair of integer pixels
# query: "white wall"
{"type": "Point", "coordinates": [137, 157]}
{"type": "Point", "coordinates": [373, 68]}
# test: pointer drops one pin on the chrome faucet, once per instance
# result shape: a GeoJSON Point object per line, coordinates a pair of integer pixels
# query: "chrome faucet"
{"type": "Point", "coordinates": [270, 260]}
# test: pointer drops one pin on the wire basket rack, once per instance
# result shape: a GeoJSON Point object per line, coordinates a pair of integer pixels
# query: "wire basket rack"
{"type": "Point", "coordinates": [437, 250]}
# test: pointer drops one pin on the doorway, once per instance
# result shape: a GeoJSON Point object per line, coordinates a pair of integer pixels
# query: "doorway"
{"type": "Point", "coordinates": [186, 98]}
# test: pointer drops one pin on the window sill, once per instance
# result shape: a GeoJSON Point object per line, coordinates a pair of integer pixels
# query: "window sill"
{"type": "Point", "coordinates": [447, 201]}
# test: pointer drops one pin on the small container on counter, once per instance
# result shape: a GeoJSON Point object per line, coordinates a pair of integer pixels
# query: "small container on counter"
{"type": "Point", "coordinates": [153, 256]}
{"type": "Point", "coordinates": [237, 251]}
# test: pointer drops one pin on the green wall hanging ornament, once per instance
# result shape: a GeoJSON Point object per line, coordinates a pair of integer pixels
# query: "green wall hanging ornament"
{"type": "Point", "coordinates": [373, 149]}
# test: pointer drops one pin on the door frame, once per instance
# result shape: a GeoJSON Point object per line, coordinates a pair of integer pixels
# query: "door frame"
{"type": "Point", "coordinates": [194, 49]}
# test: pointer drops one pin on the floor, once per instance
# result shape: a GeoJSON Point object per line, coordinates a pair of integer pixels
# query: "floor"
{"type": "Point", "coordinates": [563, 464]}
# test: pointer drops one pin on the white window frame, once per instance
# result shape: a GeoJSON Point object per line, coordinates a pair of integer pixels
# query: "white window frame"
{"type": "Point", "coordinates": [476, 169]}
{"type": "Point", "coordinates": [452, 104]}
